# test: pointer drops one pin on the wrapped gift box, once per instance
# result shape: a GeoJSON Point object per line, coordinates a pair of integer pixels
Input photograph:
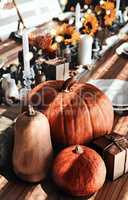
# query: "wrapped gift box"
{"type": "Point", "coordinates": [114, 150]}
{"type": "Point", "coordinates": [56, 69]}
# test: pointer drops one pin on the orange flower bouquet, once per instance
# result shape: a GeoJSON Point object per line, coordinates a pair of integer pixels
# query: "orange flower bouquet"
{"type": "Point", "coordinates": [52, 42]}
{"type": "Point", "coordinates": [106, 12]}
{"type": "Point", "coordinates": [44, 42]}
{"type": "Point", "coordinates": [67, 34]}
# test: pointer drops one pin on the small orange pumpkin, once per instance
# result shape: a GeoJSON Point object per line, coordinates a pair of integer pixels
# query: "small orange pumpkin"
{"type": "Point", "coordinates": [79, 171]}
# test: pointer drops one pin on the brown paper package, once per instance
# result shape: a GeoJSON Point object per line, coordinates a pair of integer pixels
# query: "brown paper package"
{"type": "Point", "coordinates": [114, 151]}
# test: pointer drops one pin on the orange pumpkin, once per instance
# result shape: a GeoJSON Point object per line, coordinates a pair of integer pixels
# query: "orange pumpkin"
{"type": "Point", "coordinates": [79, 171]}
{"type": "Point", "coordinates": [77, 112]}
{"type": "Point", "coordinates": [32, 152]}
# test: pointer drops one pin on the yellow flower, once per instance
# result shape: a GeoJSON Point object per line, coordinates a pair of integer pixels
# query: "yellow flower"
{"type": "Point", "coordinates": [69, 33]}
{"type": "Point", "coordinates": [108, 5]}
{"type": "Point", "coordinates": [90, 24]}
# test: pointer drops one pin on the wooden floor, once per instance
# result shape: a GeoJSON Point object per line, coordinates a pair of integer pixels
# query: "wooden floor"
{"type": "Point", "coordinates": [110, 66]}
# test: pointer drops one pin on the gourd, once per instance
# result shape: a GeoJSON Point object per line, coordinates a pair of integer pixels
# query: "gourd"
{"type": "Point", "coordinates": [77, 112]}
{"type": "Point", "coordinates": [79, 171]}
{"type": "Point", "coordinates": [32, 152]}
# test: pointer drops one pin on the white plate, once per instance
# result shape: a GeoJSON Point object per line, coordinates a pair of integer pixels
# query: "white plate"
{"type": "Point", "coordinates": [122, 48]}
{"type": "Point", "coordinates": [125, 49]}
{"type": "Point", "coordinates": [125, 52]}
{"type": "Point", "coordinates": [116, 90]}
{"type": "Point", "coordinates": [120, 108]}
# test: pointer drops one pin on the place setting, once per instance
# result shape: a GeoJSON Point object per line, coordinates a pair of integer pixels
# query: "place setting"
{"type": "Point", "coordinates": [116, 90]}
{"type": "Point", "coordinates": [123, 49]}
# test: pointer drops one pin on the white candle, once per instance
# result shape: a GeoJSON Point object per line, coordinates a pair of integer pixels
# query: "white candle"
{"type": "Point", "coordinates": [85, 50]}
{"type": "Point", "coordinates": [25, 42]}
{"type": "Point", "coordinates": [77, 17]}
{"type": "Point", "coordinates": [117, 7]}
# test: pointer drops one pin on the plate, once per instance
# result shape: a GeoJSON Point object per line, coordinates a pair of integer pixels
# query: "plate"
{"type": "Point", "coordinates": [122, 49]}
{"type": "Point", "coordinates": [120, 108]}
{"type": "Point", "coordinates": [116, 90]}
{"type": "Point", "coordinates": [125, 49]}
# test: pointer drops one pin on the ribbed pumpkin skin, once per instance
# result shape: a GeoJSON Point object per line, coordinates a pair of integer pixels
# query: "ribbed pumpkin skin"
{"type": "Point", "coordinates": [77, 115]}
{"type": "Point", "coordinates": [79, 174]}
{"type": "Point", "coordinates": [42, 95]}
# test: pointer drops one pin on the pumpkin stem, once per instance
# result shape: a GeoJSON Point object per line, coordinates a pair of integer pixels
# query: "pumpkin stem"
{"type": "Point", "coordinates": [67, 84]}
{"type": "Point", "coordinates": [31, 111]}
{"type": "Point", "coordinates": [78, 149]}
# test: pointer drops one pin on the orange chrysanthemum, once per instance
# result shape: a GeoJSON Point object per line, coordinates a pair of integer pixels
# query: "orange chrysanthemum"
{"type": "Point", "coordinates": [90, 24]}
{"type": "Point", "coordinates": [45, 42]}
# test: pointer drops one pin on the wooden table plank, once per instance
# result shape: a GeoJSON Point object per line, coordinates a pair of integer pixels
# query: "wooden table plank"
{"type": "Point", "coordinates": [7, 46]}
{"type": "Point", "coordinates": [109, 66]}
{"type": "Point", "coordinates": [9, 51]}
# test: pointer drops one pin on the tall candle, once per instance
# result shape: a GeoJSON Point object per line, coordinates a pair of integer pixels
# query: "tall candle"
{"type": "Point", "coordinates": [25, 42]}
{"type": "Point", "coordinates": [77, 17]}
{"type": "Point", "coordinates": [117, 7]}
{"type": "Point", "coordinates": [85, 50]}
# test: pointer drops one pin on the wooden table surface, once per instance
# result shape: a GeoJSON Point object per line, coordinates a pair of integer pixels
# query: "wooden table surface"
{"type": "Point", "coordinates": [109, 66]}
{"type": "Point", "coordinates": [9, 51]}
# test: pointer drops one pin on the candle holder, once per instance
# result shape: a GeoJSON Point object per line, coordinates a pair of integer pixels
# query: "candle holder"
{"type": "Point", "coordinates": [28, 79]}
{"type": "Point", "coordinates": [27, 84]}
{"type": "Point", "coordinates": [96, 47]}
